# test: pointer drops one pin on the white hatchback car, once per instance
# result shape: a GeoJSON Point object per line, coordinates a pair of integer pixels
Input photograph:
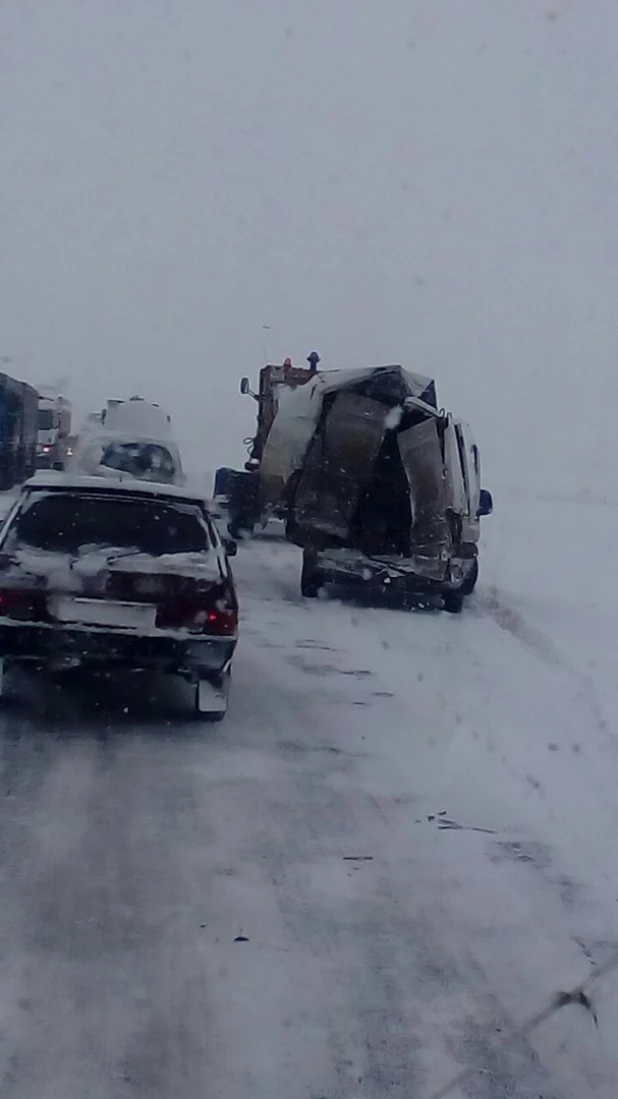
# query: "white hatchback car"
{"type": "Point", "coordinates": [124, 573]}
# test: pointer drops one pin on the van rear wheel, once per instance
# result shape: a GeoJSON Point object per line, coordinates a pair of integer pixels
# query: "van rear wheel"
{"type": "Point", "coordinates": [470, 582]}
{"type": "Point", "coordinates": [310, 579]}
{"type": "Point", "coordinates": [310, 586]}
{"type": "Point", "coordinates": [454, 601]}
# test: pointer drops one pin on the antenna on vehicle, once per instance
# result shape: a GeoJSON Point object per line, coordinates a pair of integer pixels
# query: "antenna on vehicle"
{"type": "Point", "coordinates": [266, 328]}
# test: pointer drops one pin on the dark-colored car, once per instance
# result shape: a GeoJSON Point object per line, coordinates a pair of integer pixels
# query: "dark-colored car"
{"type": "Point", "coordinates": [102, 573]}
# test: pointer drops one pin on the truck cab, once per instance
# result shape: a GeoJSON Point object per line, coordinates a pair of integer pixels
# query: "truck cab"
{"type": "Point", "coordinates": [274, 382]}
{"type": "Point", "coordinates": [53, 430]}
{"type": "Point", "coordinates": [47, 433]}
{"type": "Point", "coordinates": [238, 491]}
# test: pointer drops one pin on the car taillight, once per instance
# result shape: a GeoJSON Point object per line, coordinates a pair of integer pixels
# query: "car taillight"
{"type": "Point", "coordinates": [221, 621]}
{"type": "Point", "coordinates": [23, 606]}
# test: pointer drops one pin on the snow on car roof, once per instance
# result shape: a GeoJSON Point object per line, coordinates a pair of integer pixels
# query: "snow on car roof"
{"type": "Point", "coordinates": [50, 479]}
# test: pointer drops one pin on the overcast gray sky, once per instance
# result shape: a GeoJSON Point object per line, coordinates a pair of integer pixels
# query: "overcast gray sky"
{"type": "Point", "coordinates": [432, 182]}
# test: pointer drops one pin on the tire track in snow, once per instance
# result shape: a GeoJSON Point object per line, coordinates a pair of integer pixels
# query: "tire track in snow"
{"type": "Point", "coordinates": [437, 669]}
{"type": "Point", "coordinates": [511, 621]}
{"type": "Point", "coordinates": [495, 606]}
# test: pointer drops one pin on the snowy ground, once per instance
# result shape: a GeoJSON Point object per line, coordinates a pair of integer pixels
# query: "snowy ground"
{"type": "Point", "coordinates": [400, 843]}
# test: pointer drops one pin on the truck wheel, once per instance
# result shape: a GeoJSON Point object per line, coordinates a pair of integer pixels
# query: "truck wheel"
{"type": "Point", "coordinates": [454, 601]}
{"type": "Point", "coordinates": [238, 531]}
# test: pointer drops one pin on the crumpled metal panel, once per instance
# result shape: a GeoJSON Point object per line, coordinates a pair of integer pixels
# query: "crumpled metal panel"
{"type": "Point", "coordinates": [298, 416]}
{"type": "Point", "coordinates": [339, 464]}
{"type": "Point", "coordinates": [457, 497]}
{"type": "Point", "coordinates": [421, 453]}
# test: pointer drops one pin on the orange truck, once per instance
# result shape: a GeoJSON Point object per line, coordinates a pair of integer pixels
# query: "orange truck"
{"type": "Point", "coordinates": [238, 492]}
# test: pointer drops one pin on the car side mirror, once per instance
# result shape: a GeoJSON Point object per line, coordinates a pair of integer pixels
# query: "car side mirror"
{"type": "Point", "coordinates": [486, 503]}
{"type": "Point", "coordinates": [230, 547]}
{"type": "Point", "coordinates": [245, 386]}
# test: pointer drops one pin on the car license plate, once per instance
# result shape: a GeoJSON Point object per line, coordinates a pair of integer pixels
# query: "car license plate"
{"type": "Point", "coordinates": [103, 612]}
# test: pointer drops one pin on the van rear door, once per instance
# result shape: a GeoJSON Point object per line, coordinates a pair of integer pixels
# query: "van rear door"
{"type": "Point", "coordinates": [421, 454]}
{"type": "Point", "coordinates": [339, 464]}
{"type": "Point", "coordinates": [470, 458]}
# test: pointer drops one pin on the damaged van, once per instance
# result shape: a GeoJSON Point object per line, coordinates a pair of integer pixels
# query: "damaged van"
{"type": "Point", "coordinates": [382, 487]}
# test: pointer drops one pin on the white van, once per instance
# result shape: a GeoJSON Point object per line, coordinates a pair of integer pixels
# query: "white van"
{"type": "Point", "coordinates": [134, 439]}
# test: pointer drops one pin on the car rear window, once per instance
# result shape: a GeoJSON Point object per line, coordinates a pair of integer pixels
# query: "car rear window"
{"type": "Point", "coordinates": [141, 460]}
{"type": "Point", "coordinates": [67, 522]}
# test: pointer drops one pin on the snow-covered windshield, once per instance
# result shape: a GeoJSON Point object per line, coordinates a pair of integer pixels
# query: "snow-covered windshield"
{"type": "Point", "coordinates": [65, 522]}
{"type": "Point", "coordinates": [143, 460]}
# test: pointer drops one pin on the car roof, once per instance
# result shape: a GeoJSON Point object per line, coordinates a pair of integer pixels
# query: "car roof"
{"type": "Point", "coordinates": [98, 433]}
{"type": "Point", "coordinates": [50, 480]}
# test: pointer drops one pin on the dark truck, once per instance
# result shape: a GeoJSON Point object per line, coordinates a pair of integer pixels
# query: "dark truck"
{"type": "Point", "coordinates": [19, 408]}
{"type": "Point", "coordinates": [382, 488]}
{"type": "Point", "coordinates": [238, 492]}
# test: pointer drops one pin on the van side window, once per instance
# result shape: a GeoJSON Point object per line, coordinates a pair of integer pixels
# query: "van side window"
{"type": "Point", "coordinates": [475, 456]}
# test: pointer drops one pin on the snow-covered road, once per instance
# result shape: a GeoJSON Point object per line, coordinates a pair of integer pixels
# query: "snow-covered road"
{"type": "Point", "coordinates": [401, 843]}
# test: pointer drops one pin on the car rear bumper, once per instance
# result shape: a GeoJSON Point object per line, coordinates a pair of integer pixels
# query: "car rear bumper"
{"type": "Point", "coordinates": [24, 642]}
